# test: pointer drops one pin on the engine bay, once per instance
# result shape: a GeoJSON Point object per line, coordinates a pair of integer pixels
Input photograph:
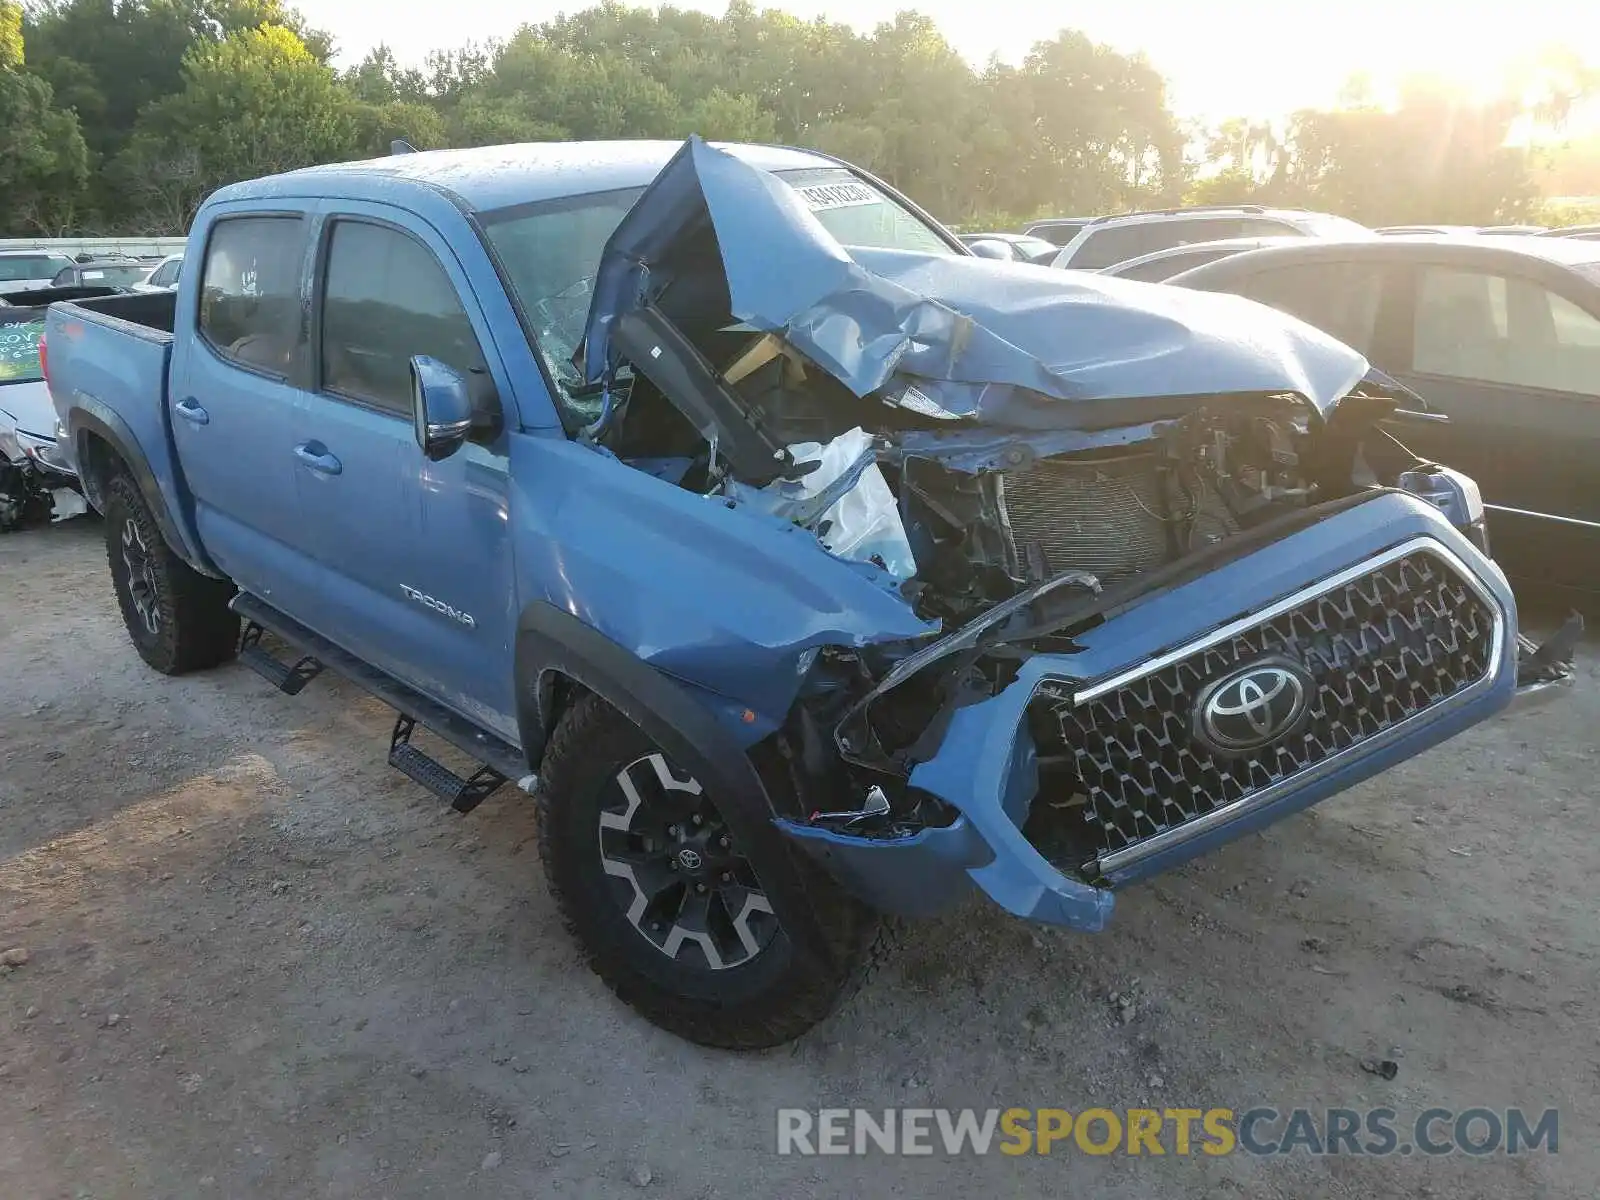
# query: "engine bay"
{"type": "Point", "coordinates": [961, 519]}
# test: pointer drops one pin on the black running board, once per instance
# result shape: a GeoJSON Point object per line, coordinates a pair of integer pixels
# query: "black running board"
{"type": "Point", "coordinates": [288, 678]}
{"type": "Point", "coordinates": [463, 795]}
{"type": "Point", "coordinates": [502, 761]}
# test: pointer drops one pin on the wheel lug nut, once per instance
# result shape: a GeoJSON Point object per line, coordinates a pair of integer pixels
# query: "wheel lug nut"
{"type": "Point", "coordinates": [700, 887]}
{"type": "Point", "coordinates": [697, 818]}
{"type": "Point", "coordinates": [723, 841]}
{"type": "Point", "coordinates": [727, 878]}
{"type": "Point", "coordinates": [673, 831]}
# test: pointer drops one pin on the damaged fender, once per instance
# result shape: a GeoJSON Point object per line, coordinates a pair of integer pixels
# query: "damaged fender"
{"type": "Point", "coordinates": [736, 596]}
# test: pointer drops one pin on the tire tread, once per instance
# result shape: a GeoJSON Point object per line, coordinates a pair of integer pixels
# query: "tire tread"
{"type": "Point", "coordinates": [859, 941]}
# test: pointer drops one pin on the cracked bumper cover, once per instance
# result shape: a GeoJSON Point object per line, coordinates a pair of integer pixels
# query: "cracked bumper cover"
{"type": "Point", "coordinates": [986, 765]}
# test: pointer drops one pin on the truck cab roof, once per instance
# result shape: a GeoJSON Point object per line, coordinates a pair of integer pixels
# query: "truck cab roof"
{"type": "Point", "coordinates": [491, 177]}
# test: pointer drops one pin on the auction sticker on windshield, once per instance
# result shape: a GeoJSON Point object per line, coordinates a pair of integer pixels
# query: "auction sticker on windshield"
{"type": "Point", "coordinates": [820, 197]}
{"type": "Point", "coordinates": [19, 350]}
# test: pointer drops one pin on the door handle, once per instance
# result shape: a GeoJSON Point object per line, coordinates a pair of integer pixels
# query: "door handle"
{"type": "Point", "coordinates": [189, 409]}
{"type": "Point", "coordinates": [316, 456]}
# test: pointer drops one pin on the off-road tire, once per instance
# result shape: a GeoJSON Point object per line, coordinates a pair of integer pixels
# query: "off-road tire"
{"type": "Point", "coordinates": [193, 627]}
{"type": "Point", "coordinates": [772, 998]}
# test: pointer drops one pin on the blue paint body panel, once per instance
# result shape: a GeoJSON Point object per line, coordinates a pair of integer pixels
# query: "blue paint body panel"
{"type": "Point", "coordinates": [721, 599]}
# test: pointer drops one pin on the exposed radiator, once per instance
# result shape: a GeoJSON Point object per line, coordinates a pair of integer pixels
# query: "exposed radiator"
{"type": "Point", "coordinates": [1104, 516]}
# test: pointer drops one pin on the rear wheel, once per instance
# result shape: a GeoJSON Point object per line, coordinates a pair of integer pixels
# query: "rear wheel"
{"type": "Point", "coordinates": [674, 909]}
{"type": "Point", "coordinates": [179, 619]}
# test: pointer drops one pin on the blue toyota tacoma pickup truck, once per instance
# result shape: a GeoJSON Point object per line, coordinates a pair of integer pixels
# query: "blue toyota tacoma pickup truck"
{"type": "Point", "coordinates": [802, 566]}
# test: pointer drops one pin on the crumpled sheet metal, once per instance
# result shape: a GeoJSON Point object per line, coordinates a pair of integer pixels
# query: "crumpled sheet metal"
{"type": "Point", "coordinates": [1001, 343]}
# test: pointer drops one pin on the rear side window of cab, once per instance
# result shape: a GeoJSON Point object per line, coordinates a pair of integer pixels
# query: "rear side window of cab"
{"type": "Point", "coordinates": [250, 290]}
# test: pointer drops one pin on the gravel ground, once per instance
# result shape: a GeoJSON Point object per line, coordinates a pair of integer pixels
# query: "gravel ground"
{"type": "Point", "coordinates": [263, 964]}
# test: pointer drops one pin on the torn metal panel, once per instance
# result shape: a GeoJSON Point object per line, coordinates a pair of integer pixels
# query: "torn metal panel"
{"type": "Point", "coordinates": [996, 342]}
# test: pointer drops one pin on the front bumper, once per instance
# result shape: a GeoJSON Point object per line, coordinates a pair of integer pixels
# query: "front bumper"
{"type": "Point", "coordinates": [987, 764]}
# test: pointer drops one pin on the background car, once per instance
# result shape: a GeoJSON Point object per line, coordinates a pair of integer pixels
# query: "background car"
{"type": "Point", "coordinates": [1058, 231]}
{"type": "Point", "coordinates": [1407, 230]}
{"type": "Point", "coordinates": [1164, 264]}
{"type": "Point", "coordinates": [1017, 247]}
{"type": "Point", "coordinates": [1502, 336]}
{"type": "Point", "coordinates": [24, 270]}
{"type": "Point", "coordinates": [165, 276]}
{"type": "Point", "coordinates": [1106, 241]}
{"type": "Point", "coordinates": [1587, 232]}
{"type": "Point", "coordinates": [102, 272]}
{"type": "Point", "coordinates": [36, 480]}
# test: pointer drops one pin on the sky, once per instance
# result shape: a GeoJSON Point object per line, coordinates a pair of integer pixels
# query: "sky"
{"type": "Point", "coordinates": [1223, 57]}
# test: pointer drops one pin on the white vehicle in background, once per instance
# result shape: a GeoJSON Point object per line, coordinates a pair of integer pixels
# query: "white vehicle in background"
{"type": "Point", "coordinates": [23, 270]}
{"type": "Point", "coordinates": [1106, 241]}
{"type": "Point", "coordinates": [164, 278]}
{"type": "Point", "coordinates": [96, 247]}
{"type": "Point", "coordinates": [36, 482]}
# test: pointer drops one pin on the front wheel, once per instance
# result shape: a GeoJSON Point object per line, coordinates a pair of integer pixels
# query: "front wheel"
{"type": "Point", "coordinates": [179, 619]}
{"type": "Point", "coordinates": [673, 909]}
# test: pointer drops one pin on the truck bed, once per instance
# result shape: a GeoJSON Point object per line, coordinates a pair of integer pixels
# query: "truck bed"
{"type": "Point", "coordinates": [107, 363]}
{"type": "Point", "coordinates": [112, 352]}
{"type": "Point", "coordinates": [139, 313]}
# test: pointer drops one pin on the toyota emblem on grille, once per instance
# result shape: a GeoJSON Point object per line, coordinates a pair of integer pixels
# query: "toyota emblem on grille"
{"type": "Point", "coordinates": [1253, 706]}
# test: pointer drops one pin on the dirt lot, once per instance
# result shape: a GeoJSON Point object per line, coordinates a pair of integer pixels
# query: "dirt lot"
{"type": "Point", "coordinates": [262, 964]}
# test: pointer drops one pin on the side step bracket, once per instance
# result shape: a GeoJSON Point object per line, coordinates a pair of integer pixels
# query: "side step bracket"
{"type": "Point", "coordinates": [503, 761]}
{"type": "Point", "coordinates": [463, 795]}
{"type": "Point", "coordinates": [288, 678]}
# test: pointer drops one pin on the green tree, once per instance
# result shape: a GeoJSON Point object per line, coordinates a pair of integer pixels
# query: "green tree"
{"type": "Point", "coordinates": [721, 116]}
{"type": "Point", "coordinates": [379, 79]}
{"type": "Point", "coordinates": [256, 103]}
{"type": "Point", "coordinates": [1434, 158]}
{"type": "Point", "coordinates": [108, 59]}
{"type": "Point", "coordinates": [378, 125]}
{"type": "Point", "coordinates": [44, 163]}
{"type": "Point", "coordinates": [10, 36]}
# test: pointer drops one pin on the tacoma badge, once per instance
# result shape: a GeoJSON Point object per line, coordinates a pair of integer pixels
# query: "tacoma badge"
{"type": "Point", "coordinates": [439, 606]}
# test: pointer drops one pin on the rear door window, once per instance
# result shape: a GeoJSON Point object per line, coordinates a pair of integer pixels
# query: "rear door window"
{"type": "Point", "coordinates": [1118, 243]}
{"type": "Point", "coordinates": [386, 298]}
{"type": "Point", "coordinates": [1161, 269]}
{"type": "Point", "coordinates": [1340, 299]}
{"type": "Point", "coordinates": [1504, 329]}
{"type": "Point", "coordinates": [1266, 227]}
{"type": "Point", "coordinates": [1056, 235]}
{"type": "Point", "coordinates": [250, 291]}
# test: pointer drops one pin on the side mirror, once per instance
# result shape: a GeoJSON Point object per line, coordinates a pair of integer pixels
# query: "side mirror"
{"type": "Point", "coordinates": [441, 409]}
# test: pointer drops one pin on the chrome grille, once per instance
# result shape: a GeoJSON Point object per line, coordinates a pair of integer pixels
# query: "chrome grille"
{"type": "Point", "coordinates": [1381, 647]}
{"type": "Point", "coordinates": [1104, 516]}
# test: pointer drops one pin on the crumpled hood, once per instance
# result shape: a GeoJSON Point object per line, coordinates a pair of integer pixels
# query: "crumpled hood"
{"type": "Point", "coordinates": [995, 342]}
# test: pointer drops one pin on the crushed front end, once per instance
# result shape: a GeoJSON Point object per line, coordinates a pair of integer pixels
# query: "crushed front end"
{"type": "Point", "coordinates": [1178, 581]}
{"type": "Point", "coordinates": [1093, 766]}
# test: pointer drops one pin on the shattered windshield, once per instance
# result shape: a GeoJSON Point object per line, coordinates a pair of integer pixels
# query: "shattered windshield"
{"type": "Point", "coordinates": [550, 251]}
